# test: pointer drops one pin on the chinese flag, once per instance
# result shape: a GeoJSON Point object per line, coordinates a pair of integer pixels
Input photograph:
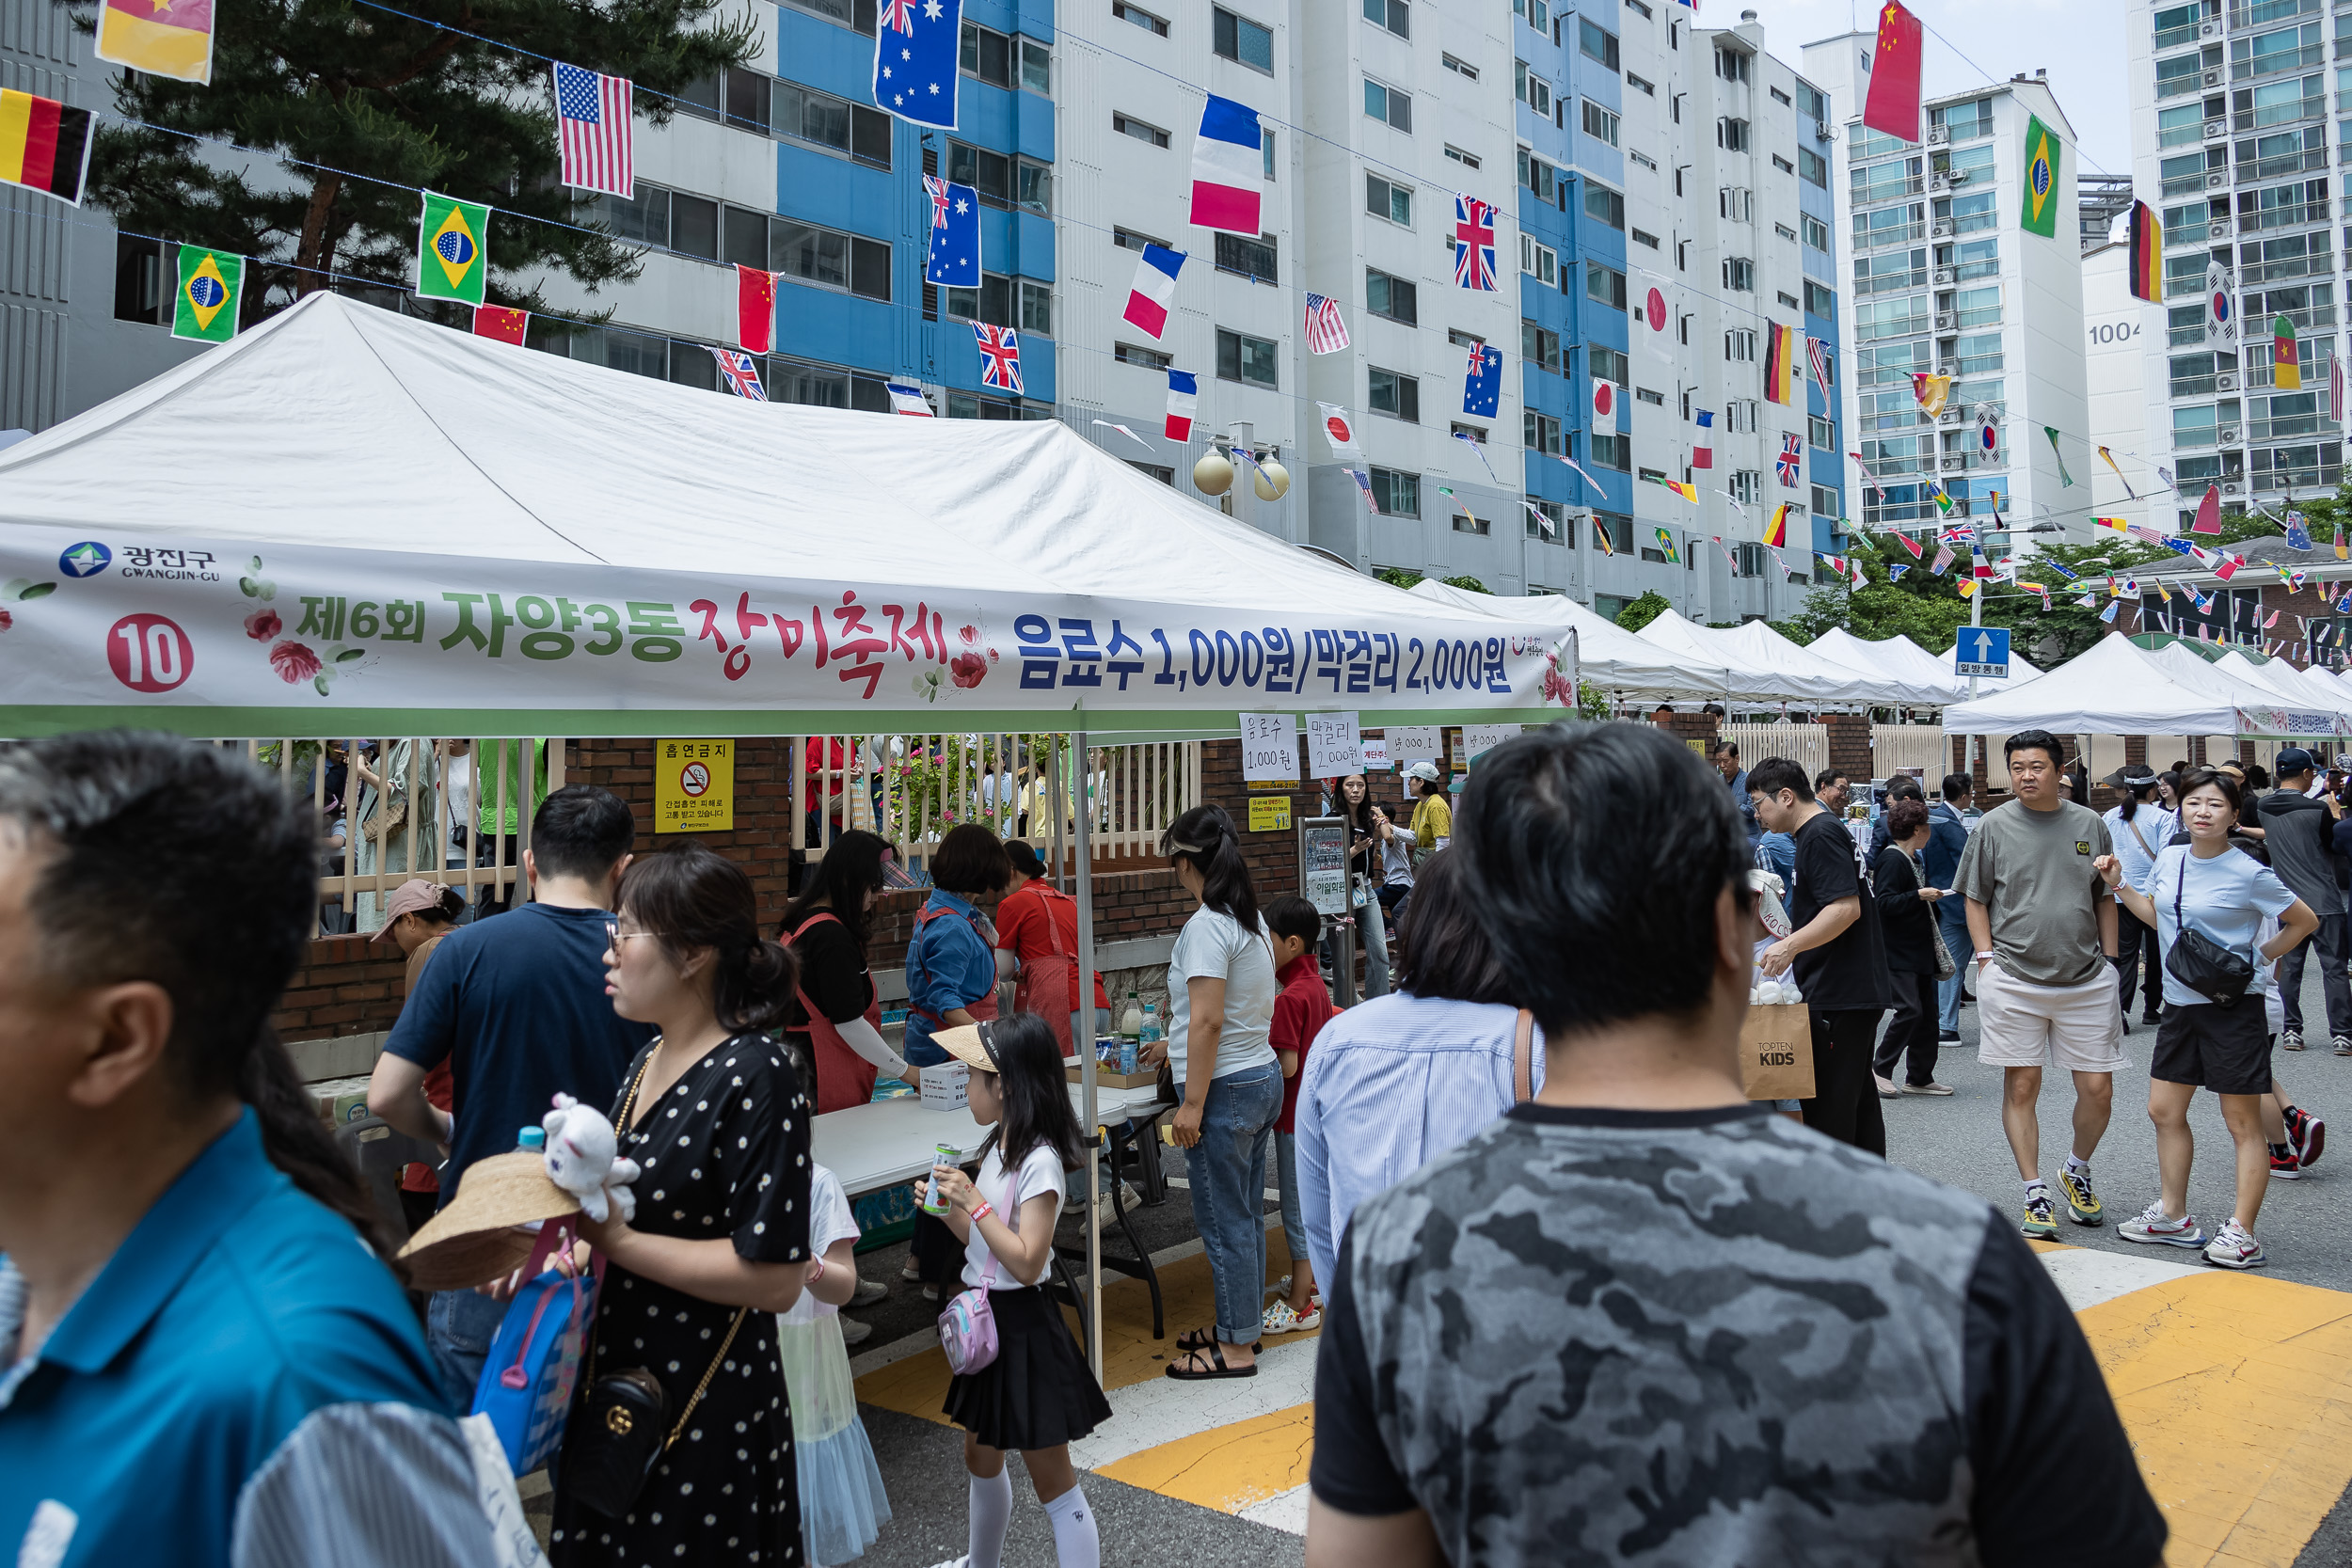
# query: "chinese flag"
{"type": "Point", "coordinates": [756, 310]}
{"type": "Point", "coordinates": [2208, 512]}
{"type": "Point", "coordinates": [501, 322]}
{"type": "Point", "coordinates": [1892, 105]}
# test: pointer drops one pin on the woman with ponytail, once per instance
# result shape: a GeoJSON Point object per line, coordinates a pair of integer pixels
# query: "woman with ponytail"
{"type": "Point", "coordinates": [1220, 995]}
{"type": "Point", "coordinates": [188, 1332]}
{"type": "Point", "coordinates": [716, 1119]}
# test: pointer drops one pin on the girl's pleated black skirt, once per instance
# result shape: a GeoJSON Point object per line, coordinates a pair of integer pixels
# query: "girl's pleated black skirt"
{"type": "Point", "coordinates": [1038, 1393]}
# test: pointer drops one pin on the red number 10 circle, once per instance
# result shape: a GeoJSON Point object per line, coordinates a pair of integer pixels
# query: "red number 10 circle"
{"type": "Point", "coordinates": [149, 652]}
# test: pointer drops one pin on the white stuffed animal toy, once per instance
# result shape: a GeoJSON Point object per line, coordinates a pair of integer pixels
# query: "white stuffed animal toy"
{"type": "Point", "coordinates": [580, 1160]}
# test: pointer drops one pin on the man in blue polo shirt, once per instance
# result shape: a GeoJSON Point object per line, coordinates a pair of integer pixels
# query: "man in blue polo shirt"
{"type": "Point", "coordinates": [202, 1361]}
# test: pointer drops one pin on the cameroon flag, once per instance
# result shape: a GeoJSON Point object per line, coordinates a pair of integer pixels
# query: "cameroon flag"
{"type": "Point", "coordinates": [43, 145]}
{"type": "Point", "coordinates": [2286, 369]}
{"type": "Point", "coordinates": [211, 297]}
{"type": "Point", "coordinates": [1688, 492]}
{"type": "Point", "coordinates": [451, 249]}
{"type": "Point", "coordinates": [2043, 150]}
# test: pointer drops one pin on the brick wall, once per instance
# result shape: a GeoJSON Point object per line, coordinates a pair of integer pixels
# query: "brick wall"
{"type": "Point", "coordinates": [1849, 745]}
{"type": "Point", "coordinates": [347, 987]}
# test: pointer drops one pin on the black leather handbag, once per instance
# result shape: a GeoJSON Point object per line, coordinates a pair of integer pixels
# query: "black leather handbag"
{"type": "Point", "coordinates": [2211, 971]}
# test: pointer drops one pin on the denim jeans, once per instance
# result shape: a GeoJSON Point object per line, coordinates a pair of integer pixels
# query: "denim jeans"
{"type": "Point", "coordinates": [458, 1327]}
{"type": "Point", "coordinates": [1951, 918]}
{"type": "Point", "coordinates": [1227, 1168]}
{"type": "Point", "coordinates": [1294, 1213]}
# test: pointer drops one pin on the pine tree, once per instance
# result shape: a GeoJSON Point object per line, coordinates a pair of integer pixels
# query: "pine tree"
{"type": "Point", "coordinates": [360, 107]}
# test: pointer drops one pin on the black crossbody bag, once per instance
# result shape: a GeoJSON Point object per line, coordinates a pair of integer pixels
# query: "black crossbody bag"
{"type": "Point", "coordinates": [2203, 965]}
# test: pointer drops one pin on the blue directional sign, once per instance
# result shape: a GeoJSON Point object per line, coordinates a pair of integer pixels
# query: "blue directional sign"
{"type": "Point", "coordinates": [1981, 650]}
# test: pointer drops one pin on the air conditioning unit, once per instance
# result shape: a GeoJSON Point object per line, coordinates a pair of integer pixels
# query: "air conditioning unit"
{"type": "Point", "coordinates": [1946, 320]}
{"type": "Point", "coordinates": [2213, 78]}
{"type": "Point", "coordinates": [1939, 135]}
{"type": "Point", "coordinates": [1950, 416]}
{"type": "Point", "coordinates": [1939, 185]}
{"type": "Point", "coordinates": [2231, 488]}
{"type": "Point", "coordinates": [2218, 230]}
{"type": "Point", "coordinates": [1958, 177]}
{"type": "Point", "coordinates": [2225, 383]}
{"type": "Point", "coordinates": [1941, 229]}
{"type": "Point", "coordinates": [2209, 30]}
{"type": "Point", "coordinates": [2217, 129]}
{"type": "Point", "coordinates": [2228, 435]}
{"type": "Point", "coordinates": [1821, 130]}
{"type": "Point", "coordinates": [1943, 276]}
{"type": "Point", "coordinates": [2215, 179]}
{"type": "Point", "coordinates": [1955, 464]}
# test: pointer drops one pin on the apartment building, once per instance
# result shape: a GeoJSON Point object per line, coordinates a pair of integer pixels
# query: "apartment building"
{"type": "Point", "coordinates": [2230, 111]}
{"type": "Point", "coordinates": [1947, 280]}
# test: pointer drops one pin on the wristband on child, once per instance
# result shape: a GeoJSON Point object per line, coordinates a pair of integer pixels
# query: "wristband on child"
{"type": "Point", "coordinates": [982, 1212]}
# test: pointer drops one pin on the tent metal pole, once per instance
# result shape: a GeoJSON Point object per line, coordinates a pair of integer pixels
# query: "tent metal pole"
{"type": "Point", "coordinates": [1084, 1007]}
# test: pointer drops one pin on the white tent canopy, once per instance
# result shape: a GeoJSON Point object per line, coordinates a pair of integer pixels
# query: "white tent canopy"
{"type": "Point", "coordinates": [2114, 687]}
{"type": "Point", "coordinates": [1609, 656]}
{"type": "Point", "coordinates": [377, 521]}
{"type": "Point", "coordinates": [1895, 657]}
{"type": "Point", "coordinates": [2261, 709]}
{"type": "Point", "coordinates": [1767, 667]}
{"type": "Point", "coordinates": [2282, 682]}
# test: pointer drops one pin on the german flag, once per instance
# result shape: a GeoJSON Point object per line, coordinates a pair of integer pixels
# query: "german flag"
{"type": "Point", "coordinates": [2147, 253]}
{"type": "Point", "coordinates": [1777, 534]}
{"type": "Point", "coordinates": [43, 145]}
{"type": "Point", "coordinates": [1780, 363]}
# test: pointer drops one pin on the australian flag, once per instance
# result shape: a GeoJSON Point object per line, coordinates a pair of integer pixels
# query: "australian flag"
{"type": "Point", "coordinates": [1482, 381]}
{"type": "Point", "coordinates": [915, 52]}
{"type": "Point", "coordinates": [954, 256]}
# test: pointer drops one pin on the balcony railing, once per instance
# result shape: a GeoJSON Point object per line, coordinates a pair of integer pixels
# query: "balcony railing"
{"type": "Point", "coordinates": [2281, 217]}
{"type": "Point", "coordinates": [2324, 476]}
{"type": "Point", "coordinates": [1887, 190]}
{"type": "Point", "coordinates": [2316, 315]}
{"type": "Point", "coordinates": [2293, 162]}
{"type": "Point", "coordinates": [2183, 85]}
{"type": "Point", "coordinates": [2182, 288]}
{"type": "Point", "coordinates": [1879, 238]}
{"type": "Point", "coordinates": [2272, 65]}
{"type": "Point", "coordinates": [2185, 337]}
{"type": "Point", "coordinates": [2187, 185]}
{"type": "Point", "coordinates": [2168, 37]}
{"type": "Point", "coordinates": [2264, 11]}
{"type": "Point", "coordinates": [2313, 107]}
{"type": "Point", "coordinates": [2305, 425]}
{"type": "Point", "coordinates": [1903, 327]}
{"type": "Point", "coordinates": [1891, 283]}
{"type": "Point", "coordinates": [2188, 235]}
{"type": "Point", "coordinates": [2194, 387]}
{"type": "Point", "coordinates": [2180, 135]}
{"type": "Point", "coordinates": [2198, 439]}
{"type": "Point", "coordinates": [2292, 266]}
{"type": "Point", "coordinates": [1970, 222]}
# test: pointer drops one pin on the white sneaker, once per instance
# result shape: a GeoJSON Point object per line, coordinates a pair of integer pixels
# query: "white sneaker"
{"type": "Point", "coordinates": [2158, 1228]}
{"type": "Point", "coordinates": [1106, 1215]}
{"type": "Point", "coordinates": [855, 1332]}
{"type": "Point", "coordinates": [867, 1292]}
{"type": "Point", "coordinates": [2235, 1249]}
{"type": "Point", "coordinates": [1886, 1087]}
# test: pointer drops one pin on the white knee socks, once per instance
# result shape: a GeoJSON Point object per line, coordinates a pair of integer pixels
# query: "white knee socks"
{"type": "Point", "coordinates": [991, 1512]}
{"type": "Point", "coordinates": [1075, 1543]}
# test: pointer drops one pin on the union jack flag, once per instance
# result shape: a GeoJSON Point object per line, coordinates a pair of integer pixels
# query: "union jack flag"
{"type": "Point", "coordinates": [1326, 332]}
{"type": "Point", "coordinates": [937, 189]}
{"type": "Point", "coordinates": [1000, 356]}
{"type": "Point", "coordinates": [898, 16]}
{"type": "Point", "coordinates": [1791, 460]}
{"type": "Point", "coordinates": [741, 372]}
{"type": "Point", "coordinates": [1474, 244]}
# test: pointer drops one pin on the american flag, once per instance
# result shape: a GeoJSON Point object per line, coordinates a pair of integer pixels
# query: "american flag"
{"type": "Point", "coordinates": [1473, 243]}
{"type": "Point", "coordinates": [1326, 332]}
{"type": "Point", "coordinates": [741, 372]}
{"type": "Point", "coordinates": [1819, 350]}
{"type": "Point", "coordinates": [1792, 459]}
{"type": "Point", "coordinates": [592, 131]}
{"type": "Point", "coordinates": [1000, 356]}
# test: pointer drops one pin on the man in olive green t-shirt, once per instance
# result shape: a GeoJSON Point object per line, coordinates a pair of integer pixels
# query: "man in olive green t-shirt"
{"type": "Point", "coordinates": [2044, 932]}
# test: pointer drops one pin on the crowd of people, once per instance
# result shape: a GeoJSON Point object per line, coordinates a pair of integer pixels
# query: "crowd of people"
{"type": "Point", "coordinates": [1578, 1297]}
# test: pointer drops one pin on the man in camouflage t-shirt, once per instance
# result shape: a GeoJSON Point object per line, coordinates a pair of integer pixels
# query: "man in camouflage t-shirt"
{"type": "Point", "coordinates": [1641, 1320]}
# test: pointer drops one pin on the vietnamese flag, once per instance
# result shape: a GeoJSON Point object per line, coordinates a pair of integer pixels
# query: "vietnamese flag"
{"type": "Point", "coordinates": [502, 322]}
{"type": "Point", "coordinates": [755, 310]}
{"type": "Point", "coordinates": [1893, 105]}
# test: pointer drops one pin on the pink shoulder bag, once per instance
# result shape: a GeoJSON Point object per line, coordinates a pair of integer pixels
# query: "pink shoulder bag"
{"type": "Point", "coordinates": [967, 1329]}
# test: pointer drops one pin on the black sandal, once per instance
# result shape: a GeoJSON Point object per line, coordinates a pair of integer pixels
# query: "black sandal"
{"type": "Point", "coordinates": [1206, 1338]}
{"type": "Point", "coordinates": [1216, 1355]}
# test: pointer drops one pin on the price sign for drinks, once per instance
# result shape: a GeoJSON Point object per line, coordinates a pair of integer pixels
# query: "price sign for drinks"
{"type": "Point", "coordinates": [1415, 742]}
{"type": "Point", "coordinates": [1335, 745]}
{"type": "Point", "coordinates": [1269, 747]}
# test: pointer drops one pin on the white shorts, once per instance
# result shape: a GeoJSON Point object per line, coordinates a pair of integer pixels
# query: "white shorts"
{"type": "Point", "coordinates": [2078, 1028]}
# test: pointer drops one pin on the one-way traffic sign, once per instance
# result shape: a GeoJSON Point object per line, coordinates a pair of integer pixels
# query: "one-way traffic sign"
{"type": "Point", "coordinates": [1981, 650]}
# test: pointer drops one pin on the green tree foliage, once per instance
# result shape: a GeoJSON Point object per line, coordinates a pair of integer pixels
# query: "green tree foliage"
{"type": "Point", "coordinates": [1641, 612]}
{"type": "Point", "coordinates": [1405, 576]}
{"type": "Point", "coordinates": [327, 85]}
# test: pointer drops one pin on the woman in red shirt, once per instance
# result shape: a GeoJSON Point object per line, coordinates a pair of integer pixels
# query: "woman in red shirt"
{"type": "Point", "coordinates": [1037, 942]}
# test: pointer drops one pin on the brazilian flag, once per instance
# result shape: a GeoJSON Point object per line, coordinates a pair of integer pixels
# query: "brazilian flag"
{"type": "Point", "coordinates": [2043, 150]}
{"type": "Point", "coordinates": [452, 249]}
{"type": "Point", "coordinates": [211, 297]}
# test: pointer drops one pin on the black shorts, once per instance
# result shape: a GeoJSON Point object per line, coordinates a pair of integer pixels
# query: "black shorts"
{"type": "Point", "coordinates": [2226, 1049]}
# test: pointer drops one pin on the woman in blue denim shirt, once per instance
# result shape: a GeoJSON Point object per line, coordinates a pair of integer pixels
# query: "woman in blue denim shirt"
{"type": "Point", "coordinates": [1220, 995]}
{"type": "Point", "coordinates": [951, 982]}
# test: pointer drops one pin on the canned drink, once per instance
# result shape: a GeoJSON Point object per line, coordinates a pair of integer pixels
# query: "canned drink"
{"type": "Point", "coordinates": [942, 1154]}
{"type": "Point", "coordinates": [1127, 1057]}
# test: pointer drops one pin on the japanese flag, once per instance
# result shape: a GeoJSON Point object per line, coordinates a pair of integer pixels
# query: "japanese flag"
{"type": "Point", "coordinates": [1605, 400]}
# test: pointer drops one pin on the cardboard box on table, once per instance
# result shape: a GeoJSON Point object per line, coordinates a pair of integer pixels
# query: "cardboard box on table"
{"type": "Point", "coordinates": [1776, 1051]}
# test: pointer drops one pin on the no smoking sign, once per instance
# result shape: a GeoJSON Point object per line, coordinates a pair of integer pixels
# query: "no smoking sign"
{"type": "Point", "coordinates": [693, 787]}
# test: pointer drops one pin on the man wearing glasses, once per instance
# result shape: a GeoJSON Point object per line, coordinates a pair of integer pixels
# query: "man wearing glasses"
{"type": "Point", "coordinates": [516, 1006]}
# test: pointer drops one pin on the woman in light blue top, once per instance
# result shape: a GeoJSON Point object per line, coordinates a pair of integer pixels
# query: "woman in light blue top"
{"type": "Point", "coordinates": [2137, 827]}
{"type": "Point", "coordinates": [2213, 890]}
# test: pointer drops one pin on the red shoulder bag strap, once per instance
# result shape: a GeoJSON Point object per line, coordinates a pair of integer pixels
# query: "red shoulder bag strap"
{"type": "Point", "coordinates": [1523, 1059]}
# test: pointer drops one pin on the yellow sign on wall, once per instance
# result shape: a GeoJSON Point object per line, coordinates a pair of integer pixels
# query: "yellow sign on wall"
{"type": "Point", "coordinates": [1270, 814]}
{"type": "Point", "coordinates": [693, 787]}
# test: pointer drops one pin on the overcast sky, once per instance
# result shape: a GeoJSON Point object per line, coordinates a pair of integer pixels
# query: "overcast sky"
{"type": "Point", "coordinates": [2077, 41]}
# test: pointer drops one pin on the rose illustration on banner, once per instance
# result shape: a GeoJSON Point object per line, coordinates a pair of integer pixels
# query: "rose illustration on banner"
{"type": "Point", "coordinates": [971, 636]}
{"type": "Point", "coordinates": [1558, 687]}
{"type": "Point", "coordinates": [263, 624]}
{"type": "Point", "coordinates": [7, 620]}
{"type": "Point", "coordinates": [294, 662]}
{"type": "Point", "coordinates": [968, 670]}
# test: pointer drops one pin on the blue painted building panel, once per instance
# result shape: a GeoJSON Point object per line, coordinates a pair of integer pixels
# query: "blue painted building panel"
{"type": "Point", "coordinates": [824, 55]}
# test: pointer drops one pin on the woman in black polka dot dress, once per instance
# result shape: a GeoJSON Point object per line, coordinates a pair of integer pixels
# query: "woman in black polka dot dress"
{"type": "Point", "coordinates": [717, 1118]}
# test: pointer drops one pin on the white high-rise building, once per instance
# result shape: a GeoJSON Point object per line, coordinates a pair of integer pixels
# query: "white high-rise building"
{"type": "Point", "coordinates": [2230, 110]}
{"type": "Point", "coordinates": [2116, 331]}
{"type": "Point", "coordinates": [1946, 279]}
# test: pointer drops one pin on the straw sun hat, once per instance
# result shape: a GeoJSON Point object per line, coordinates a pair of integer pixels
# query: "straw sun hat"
{"type": "Point", "coordinates": [474, 1239]}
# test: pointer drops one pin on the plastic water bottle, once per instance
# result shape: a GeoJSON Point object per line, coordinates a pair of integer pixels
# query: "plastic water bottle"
{"type": "Point", "coordinates": [1149, 1031]}
{"type": "Point", "coordinates": [1131, 1021]}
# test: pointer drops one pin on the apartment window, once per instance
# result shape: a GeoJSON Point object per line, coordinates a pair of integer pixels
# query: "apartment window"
{"type": "Point", "coordinates": [1787, 298]}
{"type": "Point", "coordinates": [1604, 285]}
{"type": "Point", "coordinates": [1642, 236]}
{"type": "Point", "coordinates": [743, 238]}
{"type": "Point", "coordinates": [1241, 40]}
{"type": "Point", "coordinates": [1731, 135]}
{"type": "Point", "coordinates": [804, 114]}
{"type": "Point", "coordinates": [1595, 43]}
{"type": "Point", "coordinates": [1127, 239]}
{"type": "Point", "coordinates": [1732, 65]}
{"type": "Point", "coordinates": [1540, 433]}
{"type": "Point", "coordinates": [1384, 200]}
{"type": "Point", "coordinates": [1745, 482]}
{"type": "Point", "coordinates": [1037, 308]}
{"type": "Point", "coordinates": [1821, 301]}
{"type": "Point", "coordinates": [1538, 177]}
{"type": "Point", "coordinates": [1385, 103]}
{"type": "Point", "coordinates": [857, 15]}
{"type": "Point", "coordinates": [1812, 165]}
{"type": "Point", "coordinates": [1465, 523]}
{"type": "Point", "coordinates": [1815, 232]}
{"type": "Point", "coordinates": [1736, 202]}
{"type": "Point", "coordinates": [1242, 357]}
{"type": "Point", "coordinates": [1461, 68]}
{"type": "Point", "coordinates": [1607, 364]}
{"type": "Point", "coordinates": [702, 96]}
{"type": "Point", "coordinates": [1780, 97]}
{"type": "Point", "coordinates": [747, 99]}
{"type": "Point", "coordinates": [1639, 8]}
{"type": "Point", "coordinates": [1613, 452]}
{"type": "Point", "coordinates": [987, 54]}
{"type": "Point", "coordinates": [1538, 13]}
{"type": "Point", "coordinates": [819, 256]}
{"type": "Point", "coordinates": [1251, 258]}
{"type": "Point", "coordinates": [1126, 125]}
{"type": "Point", "coordinates": [1604, 206]}
{"type": "Point", "coordinates": [1554, 515]}
{"type": "Point", "coordinates": [989, 173]}
{"type": "Point", "coordinates": [1392, 297]}
{"type": "Point", "coordinates": [1265, 144]}
{"type": "Point", "coordinates": [1538, 261]}
{"type": "Point", "coordinates": [1397, 494]}
{"type": "Point", "coordinates": [1395, 395]}
{"type": "Point", "coordinates": [1539, 346]}
{"type": "Point", "coordinates": [1812, 103]}
{"type": "Point", "coordinates": [1160, 472]}
{"type": "Point", "coordinates": [139, 292]}
{"type": "Point", "coordinates": [1740, 274]}
{"type": "Point", "coordinates": [1530, 89]}
{"type": "Point", "coordinates": [1638, 85]}
{"type": "Point", "coordinates": [1475, 434]}
{"type": "Point", "coordinates": [1740, 345]}
{"type": "Point", "coordinates": [1599, 123]}
{"type": "Point", "coordinates": [1460, 339]}
{"type": "Point", "coordinates": [1740, 416]}
{"type": "Point", "coordinates": [1037, 68]}
{"type": "Point", "coordinates": [1468, 160]}
{"type": "Point", "coordinates": [991, 302]}
{"type": "Point", "coordinates": [1033, 188]}
{"type": "Point", "coordinates": [1149, 358]}
{"type": "Point", "coordinates": [1643, 394]}
{"type": "Point", "coordinates": [694, 225]}
{"type": "Point", "coordinates": [1825, 502]}
{"type": "Point", "coordinates": [1395, 15]}
{"type": "Point", "coordinates": [1783, 164]}
{"type": "Point", "coordinates": [1137, 16]}
{"type": "Point", "coordinates": [1784, 232]}
{"type": "Point", "coordinates": [644, 221]}
{"type": "Point", "coordinates": [1819, 433]}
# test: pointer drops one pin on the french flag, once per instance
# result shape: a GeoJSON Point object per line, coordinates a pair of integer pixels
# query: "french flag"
{"type": "Point", "coordinates": [907, 400]}
{"type": "Point", "coordinates": [1228, 168]}
{"type": "Point", "coordinates": [1155, 286]}
{"type": "Point", "coordinates": [1184, 401]}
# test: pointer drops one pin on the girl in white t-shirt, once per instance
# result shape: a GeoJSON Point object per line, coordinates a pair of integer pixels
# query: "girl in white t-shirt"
{"type": "Point", "coordinates": [843, 1506]}
{"type": "Point", "coordinates": [1038, 1395]}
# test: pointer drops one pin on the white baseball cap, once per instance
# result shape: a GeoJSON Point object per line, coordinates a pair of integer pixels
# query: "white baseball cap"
{"type": "Point", "coordinates": [1422, 769]}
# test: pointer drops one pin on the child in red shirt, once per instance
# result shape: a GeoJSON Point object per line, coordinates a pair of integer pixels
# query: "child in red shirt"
{"type": "Point", "coordinates": [1300, 1012]}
